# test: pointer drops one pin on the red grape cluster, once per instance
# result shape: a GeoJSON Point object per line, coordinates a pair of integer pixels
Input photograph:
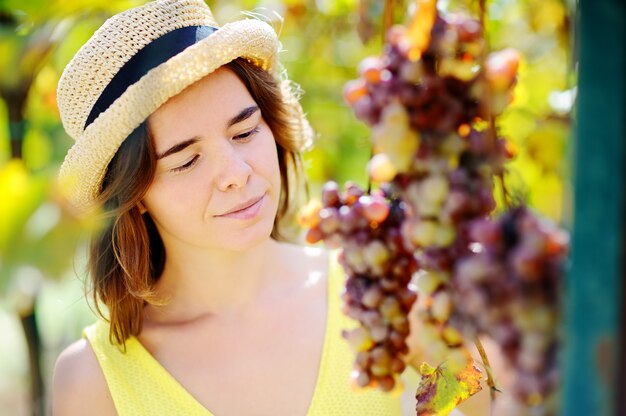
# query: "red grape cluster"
{"type": "Point", "coordinates": [510, 284]}
{"type": "Point", "coordinates": [379, 270]}
{"type": "Point", "coordinates": [437, 90]}
{"type": "Point", "coordinates": [433, 147]}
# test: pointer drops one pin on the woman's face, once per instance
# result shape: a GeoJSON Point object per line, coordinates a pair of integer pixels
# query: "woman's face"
{"type": "Point", "coordinates": [217, 182]}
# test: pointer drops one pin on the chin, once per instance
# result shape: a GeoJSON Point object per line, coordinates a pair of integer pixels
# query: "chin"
{"type": "Point", "coordinates": [247, 238]}
{"type": "Point", "coordinates": [238, 236]}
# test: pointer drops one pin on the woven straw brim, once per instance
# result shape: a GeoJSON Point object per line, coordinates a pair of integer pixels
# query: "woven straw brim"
{"type": "Point", "coordinates": [86, 163]}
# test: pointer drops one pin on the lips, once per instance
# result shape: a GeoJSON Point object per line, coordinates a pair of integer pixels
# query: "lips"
{"type": "Point", "coordinates": [245, 210]}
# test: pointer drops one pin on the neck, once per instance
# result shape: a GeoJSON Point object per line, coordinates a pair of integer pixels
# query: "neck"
{"type": "Point", "coordinates": [198, 283]}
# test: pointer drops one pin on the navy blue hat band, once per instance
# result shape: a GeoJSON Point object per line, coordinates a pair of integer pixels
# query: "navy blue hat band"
{"type": "Point", "coordinates": [150, 56]}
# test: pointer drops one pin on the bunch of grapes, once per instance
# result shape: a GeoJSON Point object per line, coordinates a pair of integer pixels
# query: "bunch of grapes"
{"type": "Point", "coordinates": [436, 90]}
{"type": "Point", "coordinates": [379, 270]}
{"type": "Point", "coordinates": [510, 285]}
{"type": "Point", "coordinates": [433, 145]}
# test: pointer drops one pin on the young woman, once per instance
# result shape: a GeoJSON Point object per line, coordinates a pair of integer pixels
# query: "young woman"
{"type": "Point", "coordinates": [189, 142]}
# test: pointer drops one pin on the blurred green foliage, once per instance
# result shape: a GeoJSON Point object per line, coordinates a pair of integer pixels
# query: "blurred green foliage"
{"type": "Point", "coordinates": [37, 38]}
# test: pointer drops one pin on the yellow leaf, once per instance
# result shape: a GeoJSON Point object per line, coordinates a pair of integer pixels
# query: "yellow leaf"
{"type": "Point", "coordinates": [441, 389]}
{"type": "Point", "coordinates": [21, 195]}
{"type": "Point", "coordinates": [418, 31]}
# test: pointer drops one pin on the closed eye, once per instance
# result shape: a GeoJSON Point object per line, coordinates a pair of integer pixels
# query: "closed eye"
{"type": "Point", "coordinates": [243, 137]}
{"type": "Point", "coordinates": [186, 165]}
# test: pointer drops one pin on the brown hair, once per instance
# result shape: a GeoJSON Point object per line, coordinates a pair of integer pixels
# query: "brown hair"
{"type": "Point", "coordinates": [127, 257]}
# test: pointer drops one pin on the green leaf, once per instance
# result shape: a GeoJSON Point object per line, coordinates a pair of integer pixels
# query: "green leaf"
{"type": "Point", "coordinates": [442, 389]}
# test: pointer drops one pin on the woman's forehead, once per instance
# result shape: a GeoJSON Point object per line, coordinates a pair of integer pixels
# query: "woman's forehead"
{"type": "Point", "coordinates": [213, 100]}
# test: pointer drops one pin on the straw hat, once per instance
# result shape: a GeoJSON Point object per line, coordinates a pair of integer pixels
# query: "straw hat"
{"type": "Point", "coordinates": [133, 64]}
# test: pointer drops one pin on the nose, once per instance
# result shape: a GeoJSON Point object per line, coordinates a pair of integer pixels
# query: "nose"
{"type": "Point", "coordinates": [233, 169]}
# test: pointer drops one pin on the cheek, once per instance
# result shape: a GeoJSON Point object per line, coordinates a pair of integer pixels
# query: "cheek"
{"type": "Point", "coordinates": [272, 160]}
{"type": "Point", "coordinates": [274, 172]}
{"type": "Point", "coordinates": [168, 202]}
{"type": "Point", "coordinates": [260, 154]}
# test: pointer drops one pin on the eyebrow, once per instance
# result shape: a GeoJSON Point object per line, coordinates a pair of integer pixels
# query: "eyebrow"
{"type": "Point", "coordinates": [178, 147]}
{"type": "Point", "coordinates": [244, 114]}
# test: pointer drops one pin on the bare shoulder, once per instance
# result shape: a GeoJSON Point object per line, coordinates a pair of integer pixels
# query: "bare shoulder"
{"type": "Point", "coordinates": [318, 256]}
{"type": "Point", "coordinates": [305, 258]}
{"type": "Point", "coordinates": [79, 386]}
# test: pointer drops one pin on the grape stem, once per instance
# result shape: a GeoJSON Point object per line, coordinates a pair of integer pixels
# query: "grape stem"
{"type": "Point", "coordinates": [490, 380]}
{"type": "Point", "coordinates": [483, 12]}
{"type": "Point", "coordinates": [486, 108]}
{"type": "Point", "coordinates": [506, 196]}
{"type": "Point", "coordinates": [387, 18]}
{"type": "Point", "coordinates": [387, 22]}
{"type": "Point", "coordinates": [491, 129]}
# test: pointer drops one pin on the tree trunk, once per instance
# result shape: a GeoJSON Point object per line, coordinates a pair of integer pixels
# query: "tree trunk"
{"type": "Point", "coordinates": [16, 104]}
{"type": "Point", "coordinates": [33, 339]}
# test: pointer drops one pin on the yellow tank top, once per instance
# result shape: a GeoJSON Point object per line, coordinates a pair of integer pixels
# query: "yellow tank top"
{"type": "Point", "coordinates": [139, 385]}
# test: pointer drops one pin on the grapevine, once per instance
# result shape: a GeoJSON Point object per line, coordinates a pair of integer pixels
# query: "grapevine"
{"type": "Point", "coordinates": [432, 99]}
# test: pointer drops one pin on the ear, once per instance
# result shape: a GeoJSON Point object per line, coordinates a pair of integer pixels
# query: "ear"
{"type": "Point", "coordinates": [142, 208]}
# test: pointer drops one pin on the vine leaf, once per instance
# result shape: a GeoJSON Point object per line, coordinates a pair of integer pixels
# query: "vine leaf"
{"type": "Point", "coordinates": [418, 30]}
{"type": "Point", "coordinates": [442, 389]}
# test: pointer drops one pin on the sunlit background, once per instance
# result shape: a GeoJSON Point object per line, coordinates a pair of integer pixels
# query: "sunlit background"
{"type": "Point", "coordinates": [323, 41]}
